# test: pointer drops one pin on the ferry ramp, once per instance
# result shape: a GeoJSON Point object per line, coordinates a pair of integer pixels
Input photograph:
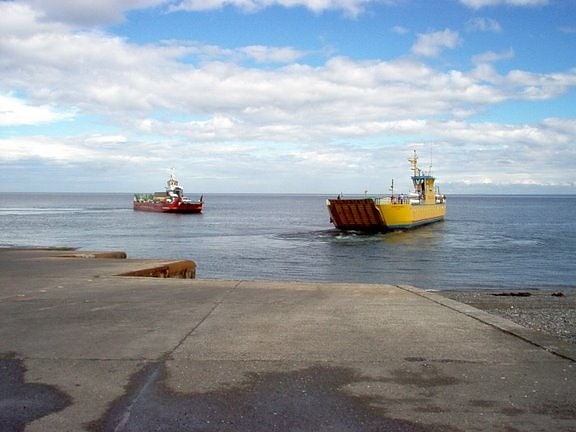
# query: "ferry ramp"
{"type": "Point", "coordinates": [359, 214]}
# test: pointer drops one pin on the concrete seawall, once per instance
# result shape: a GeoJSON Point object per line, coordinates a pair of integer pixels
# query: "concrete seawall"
{"type": "Point", "coordinates": [82, 348]}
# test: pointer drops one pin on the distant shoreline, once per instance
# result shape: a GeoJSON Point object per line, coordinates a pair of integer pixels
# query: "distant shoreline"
{"type": "Point", "coordinates": [542, 194]}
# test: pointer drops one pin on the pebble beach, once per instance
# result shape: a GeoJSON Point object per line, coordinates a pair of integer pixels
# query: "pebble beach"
{"type": "Point", "coordinates": [548, 311]}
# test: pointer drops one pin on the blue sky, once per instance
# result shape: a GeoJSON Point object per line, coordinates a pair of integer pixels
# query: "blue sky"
{"type": "Point", "coordinates": [294, 96]}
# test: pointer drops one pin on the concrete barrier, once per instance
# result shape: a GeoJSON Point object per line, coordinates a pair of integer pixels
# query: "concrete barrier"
{"type": "Point", "coordinates": [178, 269]}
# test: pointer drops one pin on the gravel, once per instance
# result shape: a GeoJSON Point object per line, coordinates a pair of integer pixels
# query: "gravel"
{"type": "Point", "coordinates": [551, 312]}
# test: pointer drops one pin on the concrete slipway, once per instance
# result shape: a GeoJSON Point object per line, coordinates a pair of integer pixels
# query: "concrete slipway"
{"type": "Point", "coordinates": [84, 349]}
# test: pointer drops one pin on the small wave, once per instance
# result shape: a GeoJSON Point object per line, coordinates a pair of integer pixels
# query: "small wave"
{"type": "Point", "coordinates": [332, 235]}
{"type": "Point", "coordinates": [108, 209]}
{"type": "Point", "coordinates": [25, 211]}
{"type": "Point", "coordinates": [359, 237]}
{"type": "Point", "coordinates": [301, 235]}
{"type": "Point", "coordinates": [33, 211]}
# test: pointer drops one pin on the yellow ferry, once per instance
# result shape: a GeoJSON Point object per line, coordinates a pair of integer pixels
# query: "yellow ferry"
{"type": "Point", "coordinates": [424, 205]}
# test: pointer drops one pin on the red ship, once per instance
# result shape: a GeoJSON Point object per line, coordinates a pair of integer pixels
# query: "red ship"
{"type": "Point", "coordinates": [171, 201]}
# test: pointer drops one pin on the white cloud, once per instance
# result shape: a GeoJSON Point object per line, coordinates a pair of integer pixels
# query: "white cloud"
{"type": "Point", "coordinates": [401, 30]}
{"type": "Point", "coordinates": [464, 153]}
{"type": "Point", "coordinates": [539, 86]}
{"type": "Point", "coordinates": [477, 4]}
{"type": "Point", "coordinates": [125, 83]}
{"type": "Point", "coordinates": [264, 54]}
{"type": "Point", "coordinates": [231, 120]}
{"type": "Point", "coordinates": [19, 20]}
{"type": "Point", "coordinates": [491, 56]}
{"type": "Point", "coordinates": [42, 147]}
{"type": "Point", "coordinates": [351, 7]}
{"type": "Point", "coordinates": [467, 152]}
{"type": "Point", "coordinates": [16, 112]}
{"type": "Point", "coordinates": [87, 12]}
{"type": "Point", "coordinates": [75, 150]}
{"type": "Point", "coordinates": [484, 25]}
{"type": "Point", "coordinates": [108, 76]}
{"type": "Point", "coordinates": [431, 44]}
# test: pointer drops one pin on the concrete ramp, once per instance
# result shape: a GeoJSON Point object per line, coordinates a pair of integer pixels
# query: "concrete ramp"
{"type": "Point", "coordinates": [82, 349]}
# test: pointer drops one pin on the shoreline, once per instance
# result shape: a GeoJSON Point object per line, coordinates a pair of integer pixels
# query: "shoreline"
{"type": "Point", "coordinates": [545, 310]}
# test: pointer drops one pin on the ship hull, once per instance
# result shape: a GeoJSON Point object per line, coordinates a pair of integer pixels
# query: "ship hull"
{"type": "Point", "coordinates": [370, 215]}
{"type": "Point", "coordinates": [163, 207]}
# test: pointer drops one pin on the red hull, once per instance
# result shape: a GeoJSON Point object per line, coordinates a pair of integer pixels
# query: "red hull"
{"type": "Point", "coordinates": [174, 207]}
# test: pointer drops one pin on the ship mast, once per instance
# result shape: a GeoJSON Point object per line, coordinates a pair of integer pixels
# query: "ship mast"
{"type": "Point", "coordinates": [414, 162]}
{"type": "Point", "coordinates": [172, 181]}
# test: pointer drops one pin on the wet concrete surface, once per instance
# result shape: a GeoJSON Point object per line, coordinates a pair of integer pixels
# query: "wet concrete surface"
{"type": "Point", "coordinates": [84, 349]}
{"type": "Point", "coordinates": [21, 402]}
{"type": "Point", "coordinates": [305, 400]}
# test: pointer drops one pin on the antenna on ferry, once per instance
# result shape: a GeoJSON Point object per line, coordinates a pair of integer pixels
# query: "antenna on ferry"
{"type": "Point", "coordinates": [414, 162]}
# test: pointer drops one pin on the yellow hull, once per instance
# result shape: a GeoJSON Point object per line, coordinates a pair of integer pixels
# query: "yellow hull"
{"type": "Point", "coordinates": [374, 215]}
{"type": "Point", "coordinates": [399, 216]}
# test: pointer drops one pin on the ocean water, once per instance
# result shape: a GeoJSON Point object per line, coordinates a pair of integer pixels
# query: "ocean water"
{"type": "Point", "coordinates": [496, 242]}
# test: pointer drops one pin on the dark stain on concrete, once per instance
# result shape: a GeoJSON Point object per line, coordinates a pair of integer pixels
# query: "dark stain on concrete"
{"type": "Point", "coordinates": [428, 377]}
{"type": "Point", "coordinates": [482, 403]}
{"type": "Point", "coordinates": [311, 399]}
{"type": "Point", "coordinates": [22, 403]}
{"type": "Point", "coordinates": [565, 411]}
{"type": "Point", "coordinates": [512, 412]}
{"type": "Point", "coordinates": [438, 360]}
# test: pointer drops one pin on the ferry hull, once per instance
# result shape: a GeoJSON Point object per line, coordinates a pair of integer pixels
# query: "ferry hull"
{"type": "Point", "coordinates": [370, 216]}
{"type": "Point", "coordinates": [163, 207]}
{"type": "Point", "coordinates": [424, 205]}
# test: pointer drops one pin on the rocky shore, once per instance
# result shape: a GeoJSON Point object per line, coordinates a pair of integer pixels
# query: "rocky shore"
{"type": "Point", "coordinates": [552, 312]}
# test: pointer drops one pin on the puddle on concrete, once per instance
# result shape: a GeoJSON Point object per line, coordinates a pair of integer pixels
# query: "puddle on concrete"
{"type": "Point", "coordinates": [311, 399]}
{"type": "Point", "coordinates": [21, 402]}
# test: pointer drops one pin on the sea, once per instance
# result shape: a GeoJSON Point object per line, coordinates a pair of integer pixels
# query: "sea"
{"type": "Point", "coordinates": [486, 242]}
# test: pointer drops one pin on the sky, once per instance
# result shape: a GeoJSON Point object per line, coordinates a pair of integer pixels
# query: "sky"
{"type": "Point", "coordinates": [287, 96]}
